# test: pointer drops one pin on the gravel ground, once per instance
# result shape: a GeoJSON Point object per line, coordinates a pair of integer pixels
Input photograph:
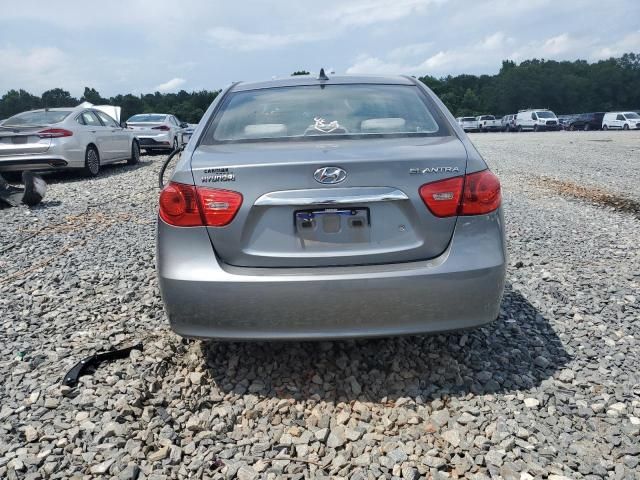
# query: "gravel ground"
{"type": "Point", "coordinates": [549, 390]}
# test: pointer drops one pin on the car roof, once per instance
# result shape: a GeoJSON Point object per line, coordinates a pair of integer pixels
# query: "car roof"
{"type": "Point", "coordinates": [303, 80]}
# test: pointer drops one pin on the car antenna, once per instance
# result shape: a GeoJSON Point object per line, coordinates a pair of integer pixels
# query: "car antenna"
{"type": "Point", "coordinates": [322, 76]}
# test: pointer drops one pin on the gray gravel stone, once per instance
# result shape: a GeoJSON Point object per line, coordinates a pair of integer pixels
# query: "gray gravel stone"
{"type": "Point", "coordinates": [566, 342]}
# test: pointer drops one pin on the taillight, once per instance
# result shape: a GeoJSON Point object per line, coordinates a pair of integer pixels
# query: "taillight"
{"type": "Point", "coordinates": [474, 194]}
{"type": "Point", "coordinates": [189, 206]}
{"type": "Point", "coordinates": [161, 127]}
{"type": "Point", "coordinates": [219, 207]}
{"type": "Point", "coordinates": [442, 198]}
{"type": "Point", "coordinates": [55, 133]}
{"type": "Point", "coordinates": [179, 205]}
{"type": "Point", "coordinates": [481, 193]}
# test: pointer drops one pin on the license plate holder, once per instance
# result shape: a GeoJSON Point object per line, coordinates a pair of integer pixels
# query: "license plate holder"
{"type": "Point", "coordinates": [333, 225]}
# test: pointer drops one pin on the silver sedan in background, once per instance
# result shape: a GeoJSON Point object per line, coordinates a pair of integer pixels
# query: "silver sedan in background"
{"type": "Point", "coordinates": [157, 131]}
{"type": "Point", "coordinates": [65, 138]}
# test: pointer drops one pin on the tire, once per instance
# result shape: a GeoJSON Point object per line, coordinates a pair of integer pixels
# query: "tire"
{"type": "Point", "coordinates": [535, 128]}
{"type": "Point", "coordinates": [625, 126]}
{"type": "Point", "coordinates": [175, 144]}
{"type": "Point", "coordinates": [572, 127]}
{"type": "Point", "coordinates": [586, 127]}
{"type": "Point", "coordinates": [91, 162]}
{"type": "Point", "coordinates": [605, 128]}
{"type": "Point", "coordinates": [519, 128]}
{"type": "Point", "coordinates": [135, 154]}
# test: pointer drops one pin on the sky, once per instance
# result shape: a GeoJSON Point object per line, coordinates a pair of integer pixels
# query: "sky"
{"type": "Point", "coordinates": [141, 46]}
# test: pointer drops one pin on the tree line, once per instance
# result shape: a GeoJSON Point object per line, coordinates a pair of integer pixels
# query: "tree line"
{"type": "Point", "coordinates": [564, 87]}
{"type": "Point", "coordinates": [188, 107]}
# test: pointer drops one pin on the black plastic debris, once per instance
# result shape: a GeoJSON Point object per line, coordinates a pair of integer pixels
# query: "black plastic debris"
{"type": "Point", "coordinates": [31, 194]}
{"type": "Point", "coordinates": [72, 376]}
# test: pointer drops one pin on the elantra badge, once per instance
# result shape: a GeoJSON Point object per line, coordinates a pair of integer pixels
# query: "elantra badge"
{"type": "Point", "coordinates": [424, 171]}
{"type": "Point", "coordinates": [329, 175]}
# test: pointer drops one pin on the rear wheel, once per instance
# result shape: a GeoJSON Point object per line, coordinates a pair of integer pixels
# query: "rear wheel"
{"type": "Point", "coordinates": [625, 127]}
{"type": "Point", "coordinates": [572, 127]}
{"type": "Point", "coordinates": [135, 154]}
{"type": "Point", "coordinates": [91, 162]}
{"type": "Point", "coordinates": [586, 127]}
{"type": "Point", "coordinates": [604, 127]}
{"type": "Point", "coordinates": [519, 128]}
{"type": "Point", "coordinates": [175, 144]}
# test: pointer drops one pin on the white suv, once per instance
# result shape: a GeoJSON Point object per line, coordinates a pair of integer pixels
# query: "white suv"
{"type": "Point", "coordinates": [621, 120]}
{"type": "Point", "coordinates": [536, 120]}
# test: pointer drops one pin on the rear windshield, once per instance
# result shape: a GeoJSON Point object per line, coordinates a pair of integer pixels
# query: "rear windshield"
{"type": "Point", "coordinates": [312, 112]}
{"type": "Point", "coordinates": [546, 114]}
{"type": "Point", "coordinates": [37, 118]}
{"type": "Point", "coordinates": [468, 119]}
{"type": "Point", "coordinates": [146, 117]}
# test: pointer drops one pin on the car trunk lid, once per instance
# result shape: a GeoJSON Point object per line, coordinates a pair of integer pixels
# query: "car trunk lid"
{"type": "Point", "coordinates": [374, 215]}
{"type": "Point", "coordinates": [145, 128]}
{"type": "Point", "coordinates": [22, 141]}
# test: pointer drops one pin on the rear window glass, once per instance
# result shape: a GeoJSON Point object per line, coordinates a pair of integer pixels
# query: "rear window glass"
{"type": "Point", "coordinates": [468, 119]}
{"type": "Point", "coordinates": [311, 112]}
{"type": "Point", "coordinates": [146, 117]}
{"type": "Point", "coordinates": [38, 118]}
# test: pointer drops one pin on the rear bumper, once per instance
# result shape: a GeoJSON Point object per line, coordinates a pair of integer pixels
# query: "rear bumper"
{"type": "Point", "coordinates": [32, 162]}
{"type": "Point", "coordinates": [203, 298]}
{"type": "Point", "coordinates": [162, 141]}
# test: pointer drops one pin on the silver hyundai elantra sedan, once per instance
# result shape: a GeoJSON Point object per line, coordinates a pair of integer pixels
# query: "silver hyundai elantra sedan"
{"type": "Point", "coordinates": [309, 208]}
{"type": "Point", "coordinates": [82, 138]}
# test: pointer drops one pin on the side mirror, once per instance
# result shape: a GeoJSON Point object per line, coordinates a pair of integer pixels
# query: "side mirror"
{"type": "Point", "coordinates": [123, 124]}
{"type": "Point", "coordinates": [184, 125]}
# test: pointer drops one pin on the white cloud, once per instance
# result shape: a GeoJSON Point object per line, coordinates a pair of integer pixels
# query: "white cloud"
{"type": "Point", "coordinates": [629, 43]}
{"type": "Point", "coordinates": [489, 52]}
{"type": "Point", "coordinates": [443, 61]}
{"type": "Point", "coordinates": [368, 12]}
{"type": "Point", "coordinates": [34, 61]}
{"type": "Point", "coordinates": [170, 85]}
{"type": "Point", "coordinates": [411, 50]}
{"type": "Point", "coordinates": [233, 39]}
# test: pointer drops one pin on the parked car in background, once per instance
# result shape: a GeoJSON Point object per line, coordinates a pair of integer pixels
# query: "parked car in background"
{"type": "Point", "coordinates": [621, 121]}
{"type": "Point", "coordinates": [65, 138]}
{"type": "Point", "coordinates": [536, 120]}
{"type": "Point", "coordinates": [488, 123]}
{"type": "Point", "coordinates": [187, 132]}
{"type": "Point", "coordinates": [508, 123]}
{"type": "Point", "coordinates": [563, 121]}
{"type": "Point", "coordinates": [468, 124]}
{"type": "Point", "coordinates": [303, 210]}
{"type": "Point", "coordinates": [157, 131]}
{"type": "Point", "coordinates": [585, 121]}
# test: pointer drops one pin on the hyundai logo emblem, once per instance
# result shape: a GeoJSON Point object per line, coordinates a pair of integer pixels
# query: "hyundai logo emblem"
{"type": "Point", "coordinates": [329, 175]}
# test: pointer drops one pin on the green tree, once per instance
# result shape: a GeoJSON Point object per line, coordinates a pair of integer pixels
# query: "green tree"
{"type": "Point", "coordinates": [57, 97]}
{"type": "Point", "coordinates": [91, 95]}
{"type": "Point", "coordinates": [16, 101]}
{"type": "Point", "coordinates": [299, 72]}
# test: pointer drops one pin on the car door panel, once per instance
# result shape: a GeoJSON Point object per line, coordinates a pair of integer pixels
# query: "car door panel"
{"type": "Point", "coordinates": [118, 137]}
{"type": "Point", "coordinates": [98, 132]}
